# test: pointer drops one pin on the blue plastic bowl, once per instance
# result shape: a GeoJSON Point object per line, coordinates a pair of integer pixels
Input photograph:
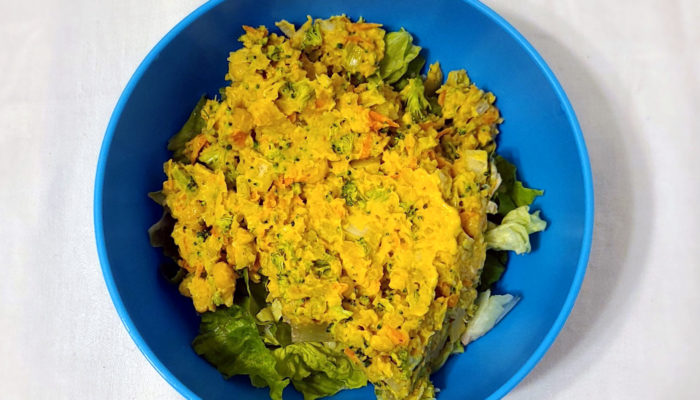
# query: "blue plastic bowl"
{"type": "Point", "coordinates": [540, 134]}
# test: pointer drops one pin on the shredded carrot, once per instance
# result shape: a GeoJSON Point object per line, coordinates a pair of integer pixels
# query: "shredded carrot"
{"type": "Point", "coordinates": [378, 121]}
{"type": "Point", "coordinates": [444, 132]}
{"type": "Point", "coordinates": [254, 32]}
{"type": "Point", "coordinates": [351, 354]}
{"type": "Point", "coordinates": [197, 144]}
{"type": "Point", "coordinates": [239, 138]}
{"type": "Point", "coordinates": [367, 146]}
{"type": "Point", "coordinates": [271, 199]}
{"type": "Point", "coordinates": [426, 125]}
{"type": "Point", "coordinates": [354, 39]}
{"type": "Point", "coordinates": [283, 182]}
{"type": "Point", "coordinates": [441, 98]}
{"type": "Point", "coordinates": [397, 336]}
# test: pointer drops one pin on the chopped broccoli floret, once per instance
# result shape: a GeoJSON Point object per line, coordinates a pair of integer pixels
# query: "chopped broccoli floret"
{"type": "Point", "coordinates": [343, 145]}
{"type": "Point", "coordinates": [414, 96]}
{"type": "Point", "coordinates": [273, 53]}
{"type": "Point", "coordinates": [320, 267]}
{"type": "Point", "coordinates": [277, 260]}
{"type": "Point", "coordinates": [192, 128]}
{"type": "Point", "coordinates": [350, 193]}
{"type": "Point", "coordinates": [294, 96]}
{"type": "Point", "coordinates": [449, 150]}
{"type": "Point", "coordinates": [212, 156]}
{"type": "Point", "coordinates": [408, 209]}
{"type": "Point", "coordinates": [183, 179]}
{"type": "Point", "coordinates": [312, 37]}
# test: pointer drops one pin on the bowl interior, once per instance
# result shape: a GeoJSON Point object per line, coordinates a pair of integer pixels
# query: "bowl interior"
{"type": "Point", "coordinates": [540, 135]}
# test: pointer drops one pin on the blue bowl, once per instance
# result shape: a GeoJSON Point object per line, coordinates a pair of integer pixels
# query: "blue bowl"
{"type": "Point", "coordinates": [540, 134]}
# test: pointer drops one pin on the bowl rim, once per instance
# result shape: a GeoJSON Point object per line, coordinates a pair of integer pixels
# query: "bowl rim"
{"type": "Point", "coordinates": [582, 263]}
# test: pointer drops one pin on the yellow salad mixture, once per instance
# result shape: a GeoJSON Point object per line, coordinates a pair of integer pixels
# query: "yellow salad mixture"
{"type": "Point", "coordinates": [353, 190]}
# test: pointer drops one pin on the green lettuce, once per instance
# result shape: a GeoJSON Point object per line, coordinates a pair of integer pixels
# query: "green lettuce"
{"type": "Point", "coordinates": [512, 194]}
{"type": "Point", "coordinates": [312, 37]}
{"type": "Point", "coordinates": [272, 331]}
{"type": "Point", "coordinates": [317, 370]}
{"type": "Point", "coordinates": [399, 52]}
{"type": "Point", "coordinates": [160, 233]}
{"type": "Point", "coordinates": [237, 343]}
{"type": "Point", "coordinates": [413, 71]}
{"type": "Point", "coordinates": [494, 267]}
{"type": "Point", "coordinates": [229, 340]}
{"type": "Point", "coordinates": [514, 231]}
{"type": "Point", "coordinates": [193, 126]}
{"type": "Point", "coordinates": [343, 144]}
{"type": "Point", "coordinates": [491, 309]}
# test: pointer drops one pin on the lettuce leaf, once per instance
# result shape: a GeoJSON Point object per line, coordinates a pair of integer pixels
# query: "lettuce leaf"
{"type": "Point", "coordinates": [236, 343]}
{"type": "Point", "coordinates": [413, 71]}
{"type": "Point", "coordinates": [193, 126]}
{"type": "Point", "coordinates": [399, 51]}
{"type": "Point", "coordinates": [160, 234]}
{"type": "Point", "coordinates": [318, 370]}
{"type": "Point", "coordinates": [257, 293]}
{"type": "Point", "coordinates": [229, 340]}
{"type": "Point", "coordinates": [272, 332]}
{"type": "Point", "coordinates": [514, 231]}
{"type": "Point", "coordinates": [491, 309]}
{"type": "Point", "coordinates": [494, 267]}
{"type": "Point", "coordinates": [512, 194]}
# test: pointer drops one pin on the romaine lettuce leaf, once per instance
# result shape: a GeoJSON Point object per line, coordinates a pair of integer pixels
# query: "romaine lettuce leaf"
{"type": "Point", "coordinates": [193, 126]}
{"type": "Point", "coordinates": [236, 343]}
{"type": "Point", "coordinates": [318, 370]}
{"type": "Point", "coordinates": [257, 293]}
{"type": "Point", "coordinates": [494, 267]}
{"type": "Point", "coordinates": [399, 51]}
{"type": "Point", "coordinates": [514, 231]}
{"type": "Point", "coordinates": [272, 331]}
{"type": "Point", "coordinates": [491, 309]}
{"type": "Point", "coordinates": [413, 71]}
{"type": "Point", "coordinates": [160, 234]}
{"type": "Point", "coordinates": [512, 194]}
{"type": "Point", "coordinates": [229, 340]}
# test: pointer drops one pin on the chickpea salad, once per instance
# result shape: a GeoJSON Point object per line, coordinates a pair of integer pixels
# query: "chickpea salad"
{"type": "Point", "coordinates": [338, 215]}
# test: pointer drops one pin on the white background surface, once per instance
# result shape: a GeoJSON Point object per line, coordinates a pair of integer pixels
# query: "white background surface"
{"type": "Point", "coordinates": [630, 68]}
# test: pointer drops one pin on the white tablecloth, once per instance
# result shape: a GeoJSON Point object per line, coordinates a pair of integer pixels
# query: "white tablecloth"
{"type": "Point", "coordinates": [630, 68]}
